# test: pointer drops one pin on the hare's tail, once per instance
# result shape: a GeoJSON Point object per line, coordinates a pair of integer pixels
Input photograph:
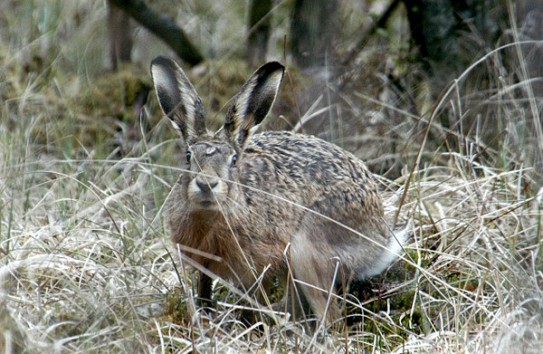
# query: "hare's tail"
{"type": "Point", "coordinates": [393, 250]}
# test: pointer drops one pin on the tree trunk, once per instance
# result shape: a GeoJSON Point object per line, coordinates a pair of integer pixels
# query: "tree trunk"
{"type": "Point", "coordinates": [120, 36]}
{"type": "Point", "coordinates": [313, 28]}
{"type": "Point", "coordinates": [259, 30]}
{"type": "Point", "coordinates": [440, 28]}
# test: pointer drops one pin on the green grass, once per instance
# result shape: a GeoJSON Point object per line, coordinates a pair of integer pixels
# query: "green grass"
{"type": "Point", "coordinates": [85, 260]}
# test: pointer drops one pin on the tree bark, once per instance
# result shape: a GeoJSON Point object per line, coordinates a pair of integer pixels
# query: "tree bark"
{"type": "Point", "coordinates": [164, 27]}
{"type": "Point", "coordinates": [259, 30]}
{"type": "Point", "coordinates": [120, 36]}
{"type": "Point", "coordinates": [440, 28]}
{"type": "Point", "coordinates": [313, 28]}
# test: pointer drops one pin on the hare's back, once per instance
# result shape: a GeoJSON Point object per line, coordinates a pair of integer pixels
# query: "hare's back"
{"type": "Point", "coordinates": [307, 157]}
{"type": "Point", "coordinates": [307, 170]}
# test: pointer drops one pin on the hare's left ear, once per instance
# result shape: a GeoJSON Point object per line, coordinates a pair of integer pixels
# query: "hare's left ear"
{"type": "Point", "coordinates": [178, 98]}
{"type": "Point", "coordinates": [252, 104]}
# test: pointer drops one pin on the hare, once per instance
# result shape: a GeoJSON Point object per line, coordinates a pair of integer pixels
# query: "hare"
{"type": "Point", "coordinates": [270, 206]}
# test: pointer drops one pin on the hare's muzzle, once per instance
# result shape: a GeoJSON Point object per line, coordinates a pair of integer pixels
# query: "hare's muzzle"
{"type": "Point", "coordinates": [206, 192]}
{"type": "Point", "coordinates": [206, 186]}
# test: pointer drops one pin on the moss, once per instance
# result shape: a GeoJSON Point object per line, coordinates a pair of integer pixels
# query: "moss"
{"type": "Point", "coordinates": [105, 114]}
{"type": "Point", "coordinates": [176, 309]}
{"type": "Point", "coordinates": [115, 94]}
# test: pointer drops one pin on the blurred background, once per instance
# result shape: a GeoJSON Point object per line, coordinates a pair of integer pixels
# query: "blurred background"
{"type": "Point", "coordinates": [367, 75]}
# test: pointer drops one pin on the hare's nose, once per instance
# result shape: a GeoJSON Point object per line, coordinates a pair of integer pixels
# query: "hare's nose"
{"type": "Point", "coordinates": [206, 186]}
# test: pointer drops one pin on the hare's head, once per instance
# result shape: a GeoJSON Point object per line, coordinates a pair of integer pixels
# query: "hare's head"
{"type": "Point", "coordinates": [213, 158]}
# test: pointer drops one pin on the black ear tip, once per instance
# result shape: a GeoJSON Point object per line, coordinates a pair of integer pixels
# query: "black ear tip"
{"type": "Point", "coordinates": [163, 61]}
{"type": "Point", "coordinates": [158, 60]}
{"type": "Point", "coordinates": [271, 67]}
{"type": "Point", "coordinates": [275, 65]}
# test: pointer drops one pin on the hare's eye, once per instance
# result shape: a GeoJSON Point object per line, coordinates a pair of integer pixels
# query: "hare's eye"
{"type": "Point", "coordinates": [234, 159]}
{"type": "Point", "coordinates": [188, 155]}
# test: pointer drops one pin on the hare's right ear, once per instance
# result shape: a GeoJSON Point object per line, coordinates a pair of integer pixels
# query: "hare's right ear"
{"type": "Point", "coordinates": [178, 98]}
{"type": "Point", "coordinates": [252, 104]}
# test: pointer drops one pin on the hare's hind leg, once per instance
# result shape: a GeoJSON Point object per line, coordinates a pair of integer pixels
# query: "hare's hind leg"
{"type": "Point", "coordinates": [316, 272]}
{"type": "Point", "coordinates": [205, 287]}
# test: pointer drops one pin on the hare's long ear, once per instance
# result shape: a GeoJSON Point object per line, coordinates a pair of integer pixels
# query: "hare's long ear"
{"type": "Point", "coordinates": [178, 98]}
{"type": "Point", "coordinates": [253, 102]}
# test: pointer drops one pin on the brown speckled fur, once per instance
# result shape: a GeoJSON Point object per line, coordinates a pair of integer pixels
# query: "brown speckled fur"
{"type": "Point", "coordinates": [249, 212]}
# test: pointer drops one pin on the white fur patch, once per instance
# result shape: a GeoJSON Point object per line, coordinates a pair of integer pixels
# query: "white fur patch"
{"type": "Point", "coordinates": [244, 97]}
{"type": "Point", "coordinates": [391, 252]}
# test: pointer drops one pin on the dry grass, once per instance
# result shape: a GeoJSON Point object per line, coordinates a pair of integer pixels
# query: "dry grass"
{"type": "Point", "coordinates": [86, 265]}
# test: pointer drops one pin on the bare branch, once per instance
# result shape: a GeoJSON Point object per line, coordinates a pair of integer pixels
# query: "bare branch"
{"type": "Point", "coordinates": [163, 26]}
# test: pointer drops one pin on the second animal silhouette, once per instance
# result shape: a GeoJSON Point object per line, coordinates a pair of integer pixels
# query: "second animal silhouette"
{"type": "Point", "coordinates": [274, 205]}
